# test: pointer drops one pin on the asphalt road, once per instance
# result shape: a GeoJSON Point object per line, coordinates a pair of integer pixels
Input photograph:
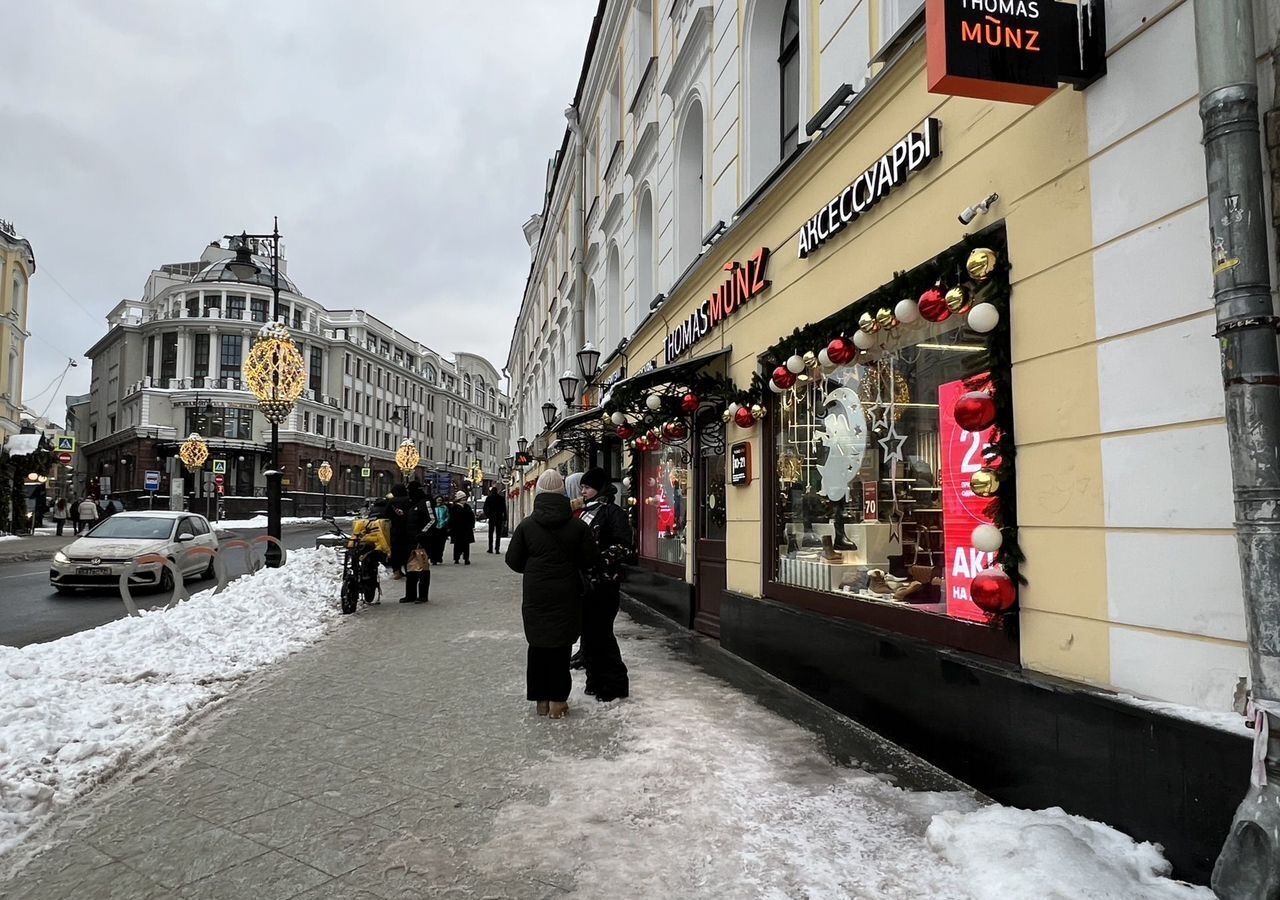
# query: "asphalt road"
{"type": "Point", "coordinates": [31, 611]}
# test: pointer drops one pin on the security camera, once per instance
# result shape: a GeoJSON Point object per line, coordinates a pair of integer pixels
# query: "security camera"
{"type": "Point", "coordinates": [972, 212]}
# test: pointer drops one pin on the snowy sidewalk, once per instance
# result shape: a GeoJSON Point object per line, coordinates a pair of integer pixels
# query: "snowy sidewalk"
{"type": "Point", "coordinates": [398, 759]}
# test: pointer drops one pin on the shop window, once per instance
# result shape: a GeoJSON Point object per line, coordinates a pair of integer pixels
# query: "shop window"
{"type": "Point", "coordinates": [663, 505]}
{"type": "Point", "coordinates": [876, 499]}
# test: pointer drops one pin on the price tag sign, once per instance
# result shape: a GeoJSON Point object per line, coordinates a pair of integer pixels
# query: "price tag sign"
{"type": "Point", "coordinates": [870, 501]}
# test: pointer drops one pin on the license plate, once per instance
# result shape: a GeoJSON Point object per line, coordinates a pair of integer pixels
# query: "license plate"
{"type": "Point", "coordinates": [93, 570]}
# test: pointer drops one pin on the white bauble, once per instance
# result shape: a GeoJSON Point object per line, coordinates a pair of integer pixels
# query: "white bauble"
{"type": "Point", "coordinates": [795, 365]}
{"type": "Point", "coordinates": [626, 482]}
{"type": "Point", "coordinates": [987, 538]}
{"type": "Point", "coordinates": [863, 341]}
{"type": "Point", "coordinates": [654, 402]}
{"type": "Point", "coordinates": [907, 311]}
{"type": "Point", "coordinates": [618, 419]}
{"type": "Point", "coordinates": [984, 318]}
{"type": "Point", "coordinates": [824, 360]}
{"type": "Point", "coordinates": [773, 386]}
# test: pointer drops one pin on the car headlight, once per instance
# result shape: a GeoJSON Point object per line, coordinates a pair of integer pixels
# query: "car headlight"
{"type": "Point", "coordinates": [61, 557]}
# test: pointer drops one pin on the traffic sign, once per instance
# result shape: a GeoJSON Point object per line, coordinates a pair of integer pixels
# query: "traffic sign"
{"type": "Point", "coordinates": [217, 479]}
{"type": "Point", "coordinates": [219, 467]}
{"type": "Point", "coordinates": [152, 480]}
{"type": "Point", "coordinates": [65, 443]}
{"type": "Point", "coordinates": [64, 458]}
{"type": "Point", "coordinates": [366, 472]}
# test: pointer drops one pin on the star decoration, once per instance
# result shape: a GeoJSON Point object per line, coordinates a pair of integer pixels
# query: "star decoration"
{"type": "Point", "coordinates": [891, 437]}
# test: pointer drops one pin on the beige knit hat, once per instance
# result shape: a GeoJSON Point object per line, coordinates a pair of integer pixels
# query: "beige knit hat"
{"type": "Point", "coordinates": [551, 482]}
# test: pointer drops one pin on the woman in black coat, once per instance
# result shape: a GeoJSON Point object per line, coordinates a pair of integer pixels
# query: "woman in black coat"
{"type": "Point", "coordinates": [606, 672]}
{"type": "Point", "coordinates": [462, 527]}
{"type": "Point", "coordinates": [553, 551]}
{"type": "Point", "coordinates": [397, 511]}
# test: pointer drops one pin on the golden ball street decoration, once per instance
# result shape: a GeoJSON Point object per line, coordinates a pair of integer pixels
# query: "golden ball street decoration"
{"type": "Point", "coordinates": [193, 452]}
{"type": "Point", "coordinates": [867, 323]}
{"type": "Point", "coordinates": [884, 317]}
{"type": "Point", "coordinates": [407, 457]}
{"type": "Point", "coordinates": [325, 472]}
{"type": "Point", "coordinates": [957, 298]}
{"type": "Point", "coordinates": [275, 372]}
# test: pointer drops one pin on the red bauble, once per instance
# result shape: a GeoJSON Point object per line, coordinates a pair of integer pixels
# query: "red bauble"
{"type": "Point", "coordinates": [783, 377]}
{"type": "Point", "coordinates": [841, 351]}
{"type": "Point", "coordinates": [933, 306]}
{"type": "Point", "coordinates": [993, 591]}
{"type": "Point", "coordinates": [625, 432]}
{"type": "Point", "coordinates": [743, 417]}
{"type": "Point", "coordinates": [689, 404]}
{"type": "Point", "coordinates": [975, 411]}
{"type": "Point", "coordinates": [675, 431]}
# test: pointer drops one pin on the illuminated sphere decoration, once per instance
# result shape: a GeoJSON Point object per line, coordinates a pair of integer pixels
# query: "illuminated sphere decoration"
{"type": "Point", "coordinates": [275, 372]}
{"type": "Point", "coordinates": [407, 457]}
{"type": "Point", "coordinates": [193, 452]}
{"type": "Point", "coordinates": [325, 472]}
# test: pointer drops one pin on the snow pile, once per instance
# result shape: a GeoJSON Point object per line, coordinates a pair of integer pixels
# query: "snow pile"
{"type": "Point", "coordinates": [261, 521]}
{"type": "Point", "coordinates": [1049, 854]}
{"type": "Point", "coordinates": [698, 791]}
{"type": "Point", "coordinates": [76, 710]}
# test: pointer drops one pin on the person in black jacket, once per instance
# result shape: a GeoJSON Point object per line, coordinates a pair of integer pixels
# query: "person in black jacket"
{"type": "Point", "coordinates": [420, 516]}
{"type": "Point", "coordinates": [397, 511]}
{"type": "Point", "coordinates": [606, 672]}
{"type": "Point", "coordinates": [462, 527]}
{"type": "Point", "coordinates": [495, 513]}
{"type": "Point", "coordinates": [552, 550]}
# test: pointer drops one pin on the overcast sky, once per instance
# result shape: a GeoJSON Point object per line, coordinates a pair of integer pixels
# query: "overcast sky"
{"type": "Point", "coordinates": [402, 143]}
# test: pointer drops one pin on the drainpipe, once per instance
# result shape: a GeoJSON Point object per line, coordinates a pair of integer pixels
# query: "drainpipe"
{"type": "Point", "coordinates": [1249, 865]}
{"type": "Point", "coordinates": [579, 314]}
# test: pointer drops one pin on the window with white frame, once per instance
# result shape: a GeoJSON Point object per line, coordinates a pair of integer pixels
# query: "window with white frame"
{"type": "Point", "coordinates": [644, 34]}
{"type": "Point", "coordinates": [644, 260]}
{"type": "Point", "coordinates": [896, 13]}
{"type": "Point", "coordinates": [689, 188]}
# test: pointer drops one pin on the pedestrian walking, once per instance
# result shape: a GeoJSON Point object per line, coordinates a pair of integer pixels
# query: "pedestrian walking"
{"type": "Point", "coordinates": [73, 507]}
{"type": "Point", "coordinates": [462, 528]}
{"type": "Point", "coordinates": [439, 535]}
{"type": "Point", "coordinates": [417, 568]}
{"type": "Point", "coordinates": [553, 551]}
{"type": "Point", "coordinates": [495, 513]}
{"type": "Point", "coordinates": [88, 513]}
{"type": "Point", "coordinates": [606, 672]}
{"type": "Point", "coordinates": [60, 514]}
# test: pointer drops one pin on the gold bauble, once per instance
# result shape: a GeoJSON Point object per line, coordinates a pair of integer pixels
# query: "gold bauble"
{"type": "Point", "coordinates": [957, 298]}
{"type": "Point", "coordinates": [884, 317]}
{"type": "Point", "coordinates": [631, 501]}
{"type": "Point", "coordinates": [811, 360]}
{"type": "Point", "coordinates": [982, 262]}
{"type": "Point", "coordinates": [985, 482]}
{"type": "Point", "coordinates": [757, 412]}
{"type": "Point", "coordinates": [867, 323]}
{"type": "Point", "coordinates": [726, 417]}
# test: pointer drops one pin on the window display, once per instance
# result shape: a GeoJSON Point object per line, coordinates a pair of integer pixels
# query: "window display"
{"type": "Point", "coordinates": [873, 475]}
{"type": "Point", "coordinates": [663, 509]}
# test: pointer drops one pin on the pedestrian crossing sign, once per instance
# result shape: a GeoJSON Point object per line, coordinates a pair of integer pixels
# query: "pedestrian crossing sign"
{"type": "Point", "coordinates": [219, 467]}
{"type": "Point", "coordinates": [65, 443]}
{"type": "Point", "coordinates": [366, 472]}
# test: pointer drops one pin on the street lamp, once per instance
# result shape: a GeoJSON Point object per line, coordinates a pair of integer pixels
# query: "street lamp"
{"type": "Point", "coordinates": [589, 362]}
{"type": "Point", "coordinates": [548, 413]}
{"type": "Point", "coordinates": [193, 453]}
{"type": "Point", "coordinates": [407, 458]}
{"type": "Point", "coordinates": [275, 374]}
{"type": "Point", "coordinates": [569, 387]}
{"type": "Point", "coordinates": [324, 473]}
{"type": "Point", "coordinates": [523, 445]}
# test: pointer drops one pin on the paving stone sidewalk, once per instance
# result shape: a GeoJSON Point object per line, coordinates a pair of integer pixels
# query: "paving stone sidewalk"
{"type": "Point", "coordinates": [371, 766]}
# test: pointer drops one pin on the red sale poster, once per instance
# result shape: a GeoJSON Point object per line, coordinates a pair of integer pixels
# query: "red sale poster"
{"type": "Point", "coordinates": [962, 510]}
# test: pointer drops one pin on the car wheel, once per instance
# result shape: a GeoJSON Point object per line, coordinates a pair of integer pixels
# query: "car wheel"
{"type": "Point", "coordinates": [166, 580]}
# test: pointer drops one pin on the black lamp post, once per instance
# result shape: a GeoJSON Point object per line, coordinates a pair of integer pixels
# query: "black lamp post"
{"type": "Point", "coordinates": [589, 362]}
{"type": "Point", "coordinates": [273, 370]}
{"type": "Point", "coordinates": [548, 413]}
{"type": "Point", "coordinates": [569, 387]}
{"type": "Point", "coordinates": [523, 445]}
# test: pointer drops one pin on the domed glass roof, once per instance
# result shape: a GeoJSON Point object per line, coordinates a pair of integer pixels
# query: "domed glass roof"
{"type": "Point", "coordinates": [221, 271]}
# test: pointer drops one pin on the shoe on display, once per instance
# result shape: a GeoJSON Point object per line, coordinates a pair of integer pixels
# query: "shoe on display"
{"type": "Point", "coordinates": [906, 591]}
{"type": "Point", "coordinates": [828, 551]}
{"type": "Point", "coordinates": [876, 583]}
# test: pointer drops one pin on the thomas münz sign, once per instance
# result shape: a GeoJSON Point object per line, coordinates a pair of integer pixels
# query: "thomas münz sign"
{"type": "Point", "coordinates": [1015, 51]}
{"type": "Point", "coordinates": [743, 283]}
{"type": "Point", "coordinates": [911, 154]}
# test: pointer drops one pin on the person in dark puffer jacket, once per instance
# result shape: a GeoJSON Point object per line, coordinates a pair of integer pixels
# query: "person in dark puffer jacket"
{"type": "Point", "coordinates": [553, 551]}
{"type": "Point", "coordinates": [606, 672]}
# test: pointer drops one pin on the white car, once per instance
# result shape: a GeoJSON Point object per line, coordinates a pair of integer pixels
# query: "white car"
{"type": "Point", "coordinates": [100, 556]}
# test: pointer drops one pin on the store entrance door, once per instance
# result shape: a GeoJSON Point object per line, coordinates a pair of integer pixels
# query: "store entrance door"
{"type": "Point", "coordinates": [709, 573]}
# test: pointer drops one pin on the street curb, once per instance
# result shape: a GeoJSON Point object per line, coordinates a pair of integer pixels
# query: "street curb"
{"type": "Point", "coordinates": [36, 555]}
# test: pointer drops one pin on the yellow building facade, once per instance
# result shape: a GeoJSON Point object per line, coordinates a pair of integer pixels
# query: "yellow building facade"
{"type": "Point", "coordinates": [17, 265]}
